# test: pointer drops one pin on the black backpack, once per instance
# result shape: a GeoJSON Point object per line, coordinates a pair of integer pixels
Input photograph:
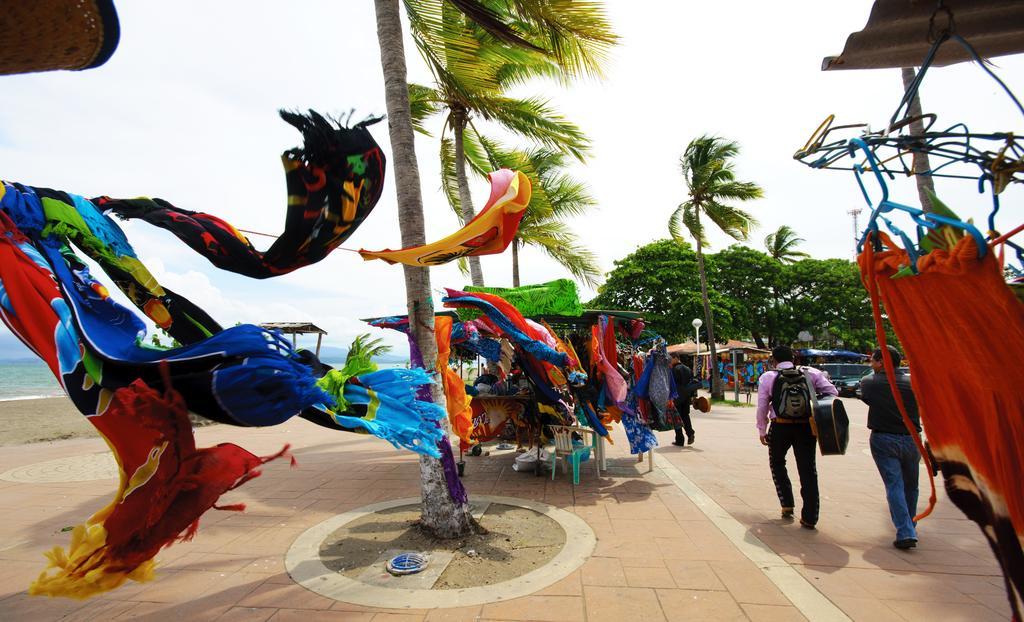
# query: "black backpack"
{"type": "Point", "coordinates": [791, 398]}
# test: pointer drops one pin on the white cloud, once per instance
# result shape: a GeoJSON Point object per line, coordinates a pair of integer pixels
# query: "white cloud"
{"type": "Point", "coordinates": [186, 110]}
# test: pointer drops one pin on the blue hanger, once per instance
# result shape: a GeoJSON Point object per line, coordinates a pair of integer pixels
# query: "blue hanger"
{"type": "Point", "coordinates": [924, 220]}
{"type": "Point", "coordinates": [995, 210]}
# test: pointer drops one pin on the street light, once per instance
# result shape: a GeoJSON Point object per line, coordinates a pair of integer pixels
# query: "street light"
{"type": "Point", "coordinates": [697, 323]}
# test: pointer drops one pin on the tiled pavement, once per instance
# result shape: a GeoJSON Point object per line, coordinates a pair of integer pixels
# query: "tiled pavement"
{"type": "Point", "coordinates": [658, 556]}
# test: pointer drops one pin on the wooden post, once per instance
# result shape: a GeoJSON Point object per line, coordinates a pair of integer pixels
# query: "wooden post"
{"type": "Point", "coordinates": [319, 338]}
{"type": "Point", "coordinates": [293, 341]}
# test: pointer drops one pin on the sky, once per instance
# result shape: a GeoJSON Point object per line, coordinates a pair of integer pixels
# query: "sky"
{"type": "Point", "coordinates": [186, 110]}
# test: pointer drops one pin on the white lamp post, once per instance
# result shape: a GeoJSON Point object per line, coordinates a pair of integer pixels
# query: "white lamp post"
{"type": "Point", "coordinates": [697, 323]}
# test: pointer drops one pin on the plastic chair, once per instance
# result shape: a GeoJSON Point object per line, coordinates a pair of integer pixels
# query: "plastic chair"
{"type": "Point", "coordinates": [571, 454]}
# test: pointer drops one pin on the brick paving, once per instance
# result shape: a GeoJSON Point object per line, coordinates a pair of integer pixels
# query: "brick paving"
{"type": "Point", "coordinates": [658, 556]}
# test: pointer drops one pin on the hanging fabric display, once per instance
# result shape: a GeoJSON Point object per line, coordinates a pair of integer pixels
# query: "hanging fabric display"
{"type": "Point", "coordinates": [166, 484]}
{"type": "Point", "coordinates": [243, 375]}
{"type": "Point", "coordinates": [490, 232]}
{"type": "Point", "coordinates": [460, 411]}
{"type": "Point", "coordinates": [334, 180]}
{"type": "Point", "coordinates": [558, 297]}
{"type": "Point", "coordinates": [509, 322]}
{"type": "Point", "coordinates": [972, 411]}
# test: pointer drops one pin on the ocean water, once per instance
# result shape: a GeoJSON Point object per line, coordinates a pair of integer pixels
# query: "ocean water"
{"type": "Point", "coordinates": [21, 380]}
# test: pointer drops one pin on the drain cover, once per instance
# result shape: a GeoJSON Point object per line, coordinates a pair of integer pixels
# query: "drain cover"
{"type": "Point", "coordinates": [407, 563]}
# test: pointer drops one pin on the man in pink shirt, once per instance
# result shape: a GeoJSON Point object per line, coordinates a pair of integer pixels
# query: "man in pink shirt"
{"type": "Point", "coordinates": [784, 400]}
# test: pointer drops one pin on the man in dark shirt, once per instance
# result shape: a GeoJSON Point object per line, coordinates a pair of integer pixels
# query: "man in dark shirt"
{"type": "Point", "coordinates": [892, 445]}
{"type": "Point", "coordinates": [684, 380]}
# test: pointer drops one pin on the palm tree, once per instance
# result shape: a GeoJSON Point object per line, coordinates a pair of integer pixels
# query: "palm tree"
{"type": "Point", "coordinates": [472, 70]}
{"type": "Point", "coordinates": [445, 510]}
{"type": "Point", "coordinates": [782, 243]}
{"type": "Point", "coordinates": [443, 515]}
{"type": "Point", "coordinates": [711, 182]}
{"type": "Point", "coordinates": [556, 196]}
{"type": "Point", "coordinates": [920, 161]}
{"type": "Point", "coordinates": [367, 347]}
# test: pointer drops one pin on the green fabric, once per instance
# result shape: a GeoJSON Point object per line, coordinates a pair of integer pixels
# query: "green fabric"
{"type": "Point", "coordinates": [333, 382]}
{"type": "Point", "coordinates": [558, 297]}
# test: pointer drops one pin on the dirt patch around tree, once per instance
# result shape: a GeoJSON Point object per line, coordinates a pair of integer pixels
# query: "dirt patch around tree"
{"type": "Point", "coordinates": [518, 541]}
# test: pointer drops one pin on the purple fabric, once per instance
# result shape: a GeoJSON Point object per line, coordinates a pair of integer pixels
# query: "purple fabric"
{"type": "Point", "coordinates": [765, 410]}
{"type": "Point", "coordinates": [451, 473]}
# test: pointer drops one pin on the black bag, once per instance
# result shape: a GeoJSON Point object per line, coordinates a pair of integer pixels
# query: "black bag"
{"type": "Point", "coordinates": [791, 398]}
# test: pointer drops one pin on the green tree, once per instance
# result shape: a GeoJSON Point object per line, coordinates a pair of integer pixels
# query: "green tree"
{"type": "Point", "coordinates": [782, 243]}
{"type": "Point", "coordinates": [711, 184]}
{"type": "Point", "coordinates": [749, 279]}
{"type": "Point", "coordinates": [473, 70]}
{"type": "Point", "coordinates": [826, 298]}
{"type": "Point", "coordinates": [660, 280]}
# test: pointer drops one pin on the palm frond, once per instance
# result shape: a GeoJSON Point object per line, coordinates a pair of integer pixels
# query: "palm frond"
{"type": "Point", "coordinates": [366, 346]}
{"type": "Point", "coordinates": [735, 222]}
{"type": "Point", "coordinates": [424, 102]}
{"type": "Point", "coordinates": [534, 118]}
{"type": "Point", "coordinates": [557, 241]}
{"type": "Point", "coordinates": [449, 177]}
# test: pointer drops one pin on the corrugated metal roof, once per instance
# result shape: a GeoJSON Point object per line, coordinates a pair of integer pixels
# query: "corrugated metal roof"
{"type": "Point", "coordinates": [294, 327]}
{"type": "Point", "coordinates": [898, 33]}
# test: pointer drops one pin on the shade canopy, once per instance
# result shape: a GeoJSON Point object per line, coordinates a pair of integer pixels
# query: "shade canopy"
{"type": "Point", "coordinates": [899, 33]}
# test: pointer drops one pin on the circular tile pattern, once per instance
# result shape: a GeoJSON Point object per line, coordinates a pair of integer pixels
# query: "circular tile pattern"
{"type": "Point", "coordinates": [83, 468]}
{"type": "Point", "coordinates": [304, 565]}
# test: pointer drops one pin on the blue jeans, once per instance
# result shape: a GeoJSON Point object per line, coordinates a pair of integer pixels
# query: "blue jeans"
{"type": "Point", "coordinates": [898, 462]}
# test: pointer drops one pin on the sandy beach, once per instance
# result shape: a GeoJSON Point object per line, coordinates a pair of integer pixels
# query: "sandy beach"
{"type": "Point", "coordinates": [38, 420]}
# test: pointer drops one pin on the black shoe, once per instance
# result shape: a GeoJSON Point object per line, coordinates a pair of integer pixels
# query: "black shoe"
{"type": "Point", "coordinates": [787, 514]}
{"type": "Point", "coordinates": [807, 525]}
{"type": "Point", "coordinates": [679, 442]}
{"type": "Point", "coordinates": [691, 437]}
{"type": "Point", "coordinates": [906, 543]}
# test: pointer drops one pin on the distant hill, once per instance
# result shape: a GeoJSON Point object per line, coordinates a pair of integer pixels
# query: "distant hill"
{"type": "Point", "coordinates": [336, 354]}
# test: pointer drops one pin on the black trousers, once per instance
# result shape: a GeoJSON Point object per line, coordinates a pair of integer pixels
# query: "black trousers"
{"type": "Point", "coordinates": [782, 436]}
{"type": "Point", "coordinates": [683, 408]}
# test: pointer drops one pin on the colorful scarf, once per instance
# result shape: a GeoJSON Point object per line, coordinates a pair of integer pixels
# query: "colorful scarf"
{"type": "Point", "coordinates": [165, 485]}
{"type": "Point", "coordinates": [489, 233]}
{"type": "Point", "coordinates": [968, 388]}
{"type": "Point", "coordinates": [334, 180]}
{"type": "Point", "coordinates": [558, 297]}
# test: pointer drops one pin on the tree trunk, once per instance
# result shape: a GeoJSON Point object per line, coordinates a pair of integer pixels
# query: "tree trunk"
{"type": "Point", "coordinates": [459, 120]}
{"type": "Point", "coordinates": [758, 340]}
{"type": "Point", "coordinates": [920, 162]}
{"type": "Point", "coordinates": [441, 515]}
{"type": "Point", "coordinates": [515, 262]}
{"type": "Point", "coordinates": [716, 384]}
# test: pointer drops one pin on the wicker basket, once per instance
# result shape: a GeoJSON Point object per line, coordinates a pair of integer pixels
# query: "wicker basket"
{"type": "Point", "coordinates": [44, 35]}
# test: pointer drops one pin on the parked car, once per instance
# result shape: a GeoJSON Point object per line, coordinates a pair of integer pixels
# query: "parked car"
{"type": "Point", "coordinates": [845, 376]}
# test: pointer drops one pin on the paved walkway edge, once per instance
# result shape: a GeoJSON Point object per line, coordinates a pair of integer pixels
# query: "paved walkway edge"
{"type": "Point", "coordinates": [804, 596]}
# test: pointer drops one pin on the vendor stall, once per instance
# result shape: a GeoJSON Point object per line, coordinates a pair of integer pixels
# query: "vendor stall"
{"type": "Point", "coordinates": [562, 366]}
{"type": "Point", "coordinates": [735, 358]}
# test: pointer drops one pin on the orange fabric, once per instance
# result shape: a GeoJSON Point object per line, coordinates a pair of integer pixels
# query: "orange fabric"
{"type": "Point", "coordinates": [963, 331]}
{"type": "Point", "coordinates": [460, 412]}
{"type": "Point", "coordinates": [488, 233]}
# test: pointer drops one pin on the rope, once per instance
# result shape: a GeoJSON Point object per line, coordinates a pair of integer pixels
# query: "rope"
{"type": "Point", "coordinates": [872, 285]}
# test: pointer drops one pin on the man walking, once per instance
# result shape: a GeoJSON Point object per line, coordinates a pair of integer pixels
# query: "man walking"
{"type": "Point", "coordinates": [892, 445]}
{"type": "Point", "coordinates": [784, 399]}
{"type": "Point", "coordinates": [686, 386]}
